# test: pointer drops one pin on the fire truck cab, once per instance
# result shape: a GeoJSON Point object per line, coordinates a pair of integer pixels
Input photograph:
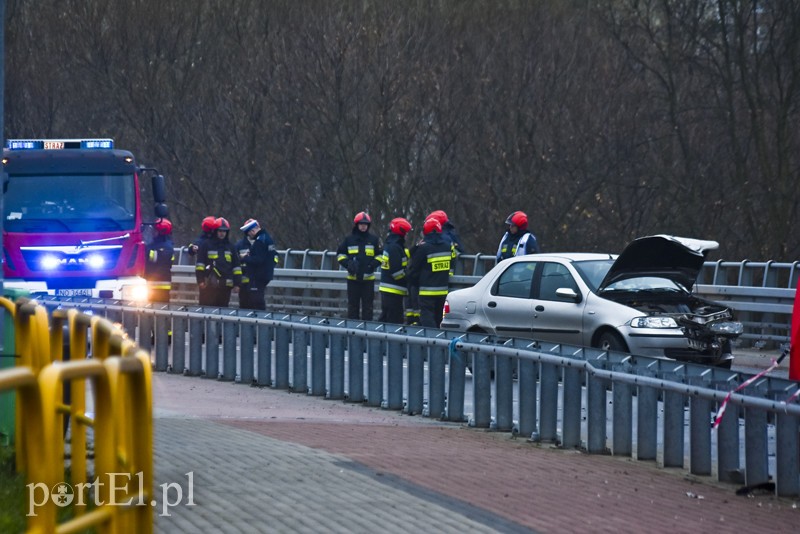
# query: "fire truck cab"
{"type": "Point", "coordinates": [72, 218]}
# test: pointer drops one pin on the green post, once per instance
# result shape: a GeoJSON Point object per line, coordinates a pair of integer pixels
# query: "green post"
{"type": "Point", "coordinates": [8, 360]}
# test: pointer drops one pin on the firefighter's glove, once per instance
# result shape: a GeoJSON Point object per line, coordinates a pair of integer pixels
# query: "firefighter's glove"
{"type": "Point", "coordinates": [352, 267]}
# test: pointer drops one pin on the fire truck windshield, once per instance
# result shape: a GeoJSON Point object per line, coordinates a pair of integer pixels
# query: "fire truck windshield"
{"type": "Point", "coordinates": [70, 203]}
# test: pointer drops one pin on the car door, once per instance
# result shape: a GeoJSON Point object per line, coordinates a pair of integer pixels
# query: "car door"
{"type": "Point", "coordinates": [556, 318]}
{"type": "Point", "coordinates": [508, 306]}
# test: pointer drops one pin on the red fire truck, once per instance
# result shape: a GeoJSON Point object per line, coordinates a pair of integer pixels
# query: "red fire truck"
{"type": "Point", "coordinates": [72, 218]}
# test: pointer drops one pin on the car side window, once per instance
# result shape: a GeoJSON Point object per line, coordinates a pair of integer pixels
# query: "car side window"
{"type": "Point", "coordinates": [516, 281]}
{"type": "Point", "coordinates": [555, 276]}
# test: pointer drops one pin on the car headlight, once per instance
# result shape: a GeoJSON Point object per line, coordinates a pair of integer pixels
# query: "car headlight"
{"type": "Point", "coordinates": [730, 328]}
{"type": "Point", "coordinates": [653, 322]}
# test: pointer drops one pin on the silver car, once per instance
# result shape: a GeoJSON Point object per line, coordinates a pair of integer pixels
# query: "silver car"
{"type": "Point", "coordinates": [639, 302]}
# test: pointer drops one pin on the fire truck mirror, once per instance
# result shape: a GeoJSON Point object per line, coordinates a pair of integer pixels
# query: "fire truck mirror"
{"type": "Point", "coordinates": [159, 189]}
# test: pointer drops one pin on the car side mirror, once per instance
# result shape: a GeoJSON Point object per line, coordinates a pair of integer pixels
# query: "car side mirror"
{"type": "Point", "coordinates": [568, 294]}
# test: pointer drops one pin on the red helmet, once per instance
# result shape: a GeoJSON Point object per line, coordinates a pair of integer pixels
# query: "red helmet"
{"type": "Point", "coordinates": [209, 224]}
{"type": "Point", "coordinates": [399, 226]}
{"type": "Point", "coordinates": [431, 225]}
{"type": "Point", "coordinates": [222, 224]}
{"type": "Point", "coordinates": [518, 219]}
{"type": "Point", "coordinates": [163, 227]}
{"type": "Point", "coordinates": [440, 216]}
{"type": "Point", "coordinates": [362, 217]}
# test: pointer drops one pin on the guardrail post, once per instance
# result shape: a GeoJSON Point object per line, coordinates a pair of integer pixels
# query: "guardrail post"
{"type": "Point", "coordinates": [756, 458]}
{"type": "Point", "coordinates": [673, 428]}
{"type": "Point", "coordinates": [282, 335]}
{"type": "Point", "coordinates": [300, 362]}
{"type": "Point", "coordinates": [212, 348]}
{"type": "Point", "coordinates": [699, 432]}
{"type": "Point", "coordinates": [436, 383]}
{"type": "Point", "coordinates": [196, 328]}
{"type": "Point", "coordinates": [162, 341]}
{"type": "Point", "coordinates": [416, 375]}
{"type": "Point", "coordinates": [571, 425]}
{"type": "Point", "coordinates": [455, 388]}
{"type": "Point", "coordinates": [247, 342]}
{"type": "Point", "coordinates": [527, 397]}
{"type": "Point", "coordinates": [482, 389]}
{"type": "Point", "coordinates": [646, 422]}
{"type": "Point", "coordinates": [264, 355]}
{"type": "Point", "coordinates": [728, 467]}
{"type": "Point", "coordinates": [230, 331]}
{"type": "Point", "coordinates": [178, 344]}
{"type": "Point", "coordinates": [336, 390]}
{"type": "Point", "coordinates": [374, 372]}
{"type": "Point", "coordinates": [622, 416]}
{"type": "Point", "coordinates": [548, 417]}
{"type": "Point", "coordinates": [130, 319]}
{"type": "Point", "coordinates": [394, 375]}
{"type": "Point", "coordinates": [146, 329]}
{"type": "Point", "coordinates": [504, 388]}
{"type": "Point", "coordinates": [787, 464]}
{"type": "Point", "coordinates": [355, 367]}
{"type": "Point", "coordinates": [318, 341]}
{"type": "Point", "coordinates": [596, 415]}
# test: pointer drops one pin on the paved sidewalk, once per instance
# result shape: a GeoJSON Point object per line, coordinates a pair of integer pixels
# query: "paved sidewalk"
{"type": "Point", "coordinates": [264, 460]}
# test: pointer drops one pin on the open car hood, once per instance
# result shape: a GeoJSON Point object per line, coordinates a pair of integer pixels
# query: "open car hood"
{"type": "Point", "coordinates": [676, 258]}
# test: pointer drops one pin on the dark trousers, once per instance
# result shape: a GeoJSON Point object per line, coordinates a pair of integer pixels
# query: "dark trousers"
{"type": "Point", "coordinates": [206, 296]}
{"type": "Point", "coordinates": [431, 310]}
{"type": "Point", "coordinates": [391, 308]}
{"type": "Point", "coordinates": [412, 305]}
{"type": "Point", "coordinates": [251, 297]}
{"type": "Point", "coordinates": [221, 296]}
{"type": "Point", "coordinates": [360, 296]}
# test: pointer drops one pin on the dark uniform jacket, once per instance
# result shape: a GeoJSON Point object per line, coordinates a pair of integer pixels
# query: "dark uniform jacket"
{"type": "Point", "coordinates": [394, 265]}
{"type": "Point", "coordinates": [430, 265]}
{"type": "Point", "coordinates": [360, 254]}
{"type": "Point", "coordinates": [258, 265]}
{"type": "Point", "coordinates": [158, 267]}
{"type": "Point", "coordinates": [218, 263]}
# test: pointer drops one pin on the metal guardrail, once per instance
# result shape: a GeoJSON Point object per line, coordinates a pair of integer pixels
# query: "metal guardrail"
{"type": "Point", "coordinates": [310, 282]}
{"type": "Point", "coordinates": [344, 359]}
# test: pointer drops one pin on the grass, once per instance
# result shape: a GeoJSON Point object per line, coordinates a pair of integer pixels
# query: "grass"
{"type": "Point", "coordinates": [13, 493]}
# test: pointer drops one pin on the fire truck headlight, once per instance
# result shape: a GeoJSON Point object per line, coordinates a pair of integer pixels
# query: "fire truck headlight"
{"type": "Point", "coordinates": [48, 263]}
{"type": "Point", "coordinates": [136, 293]}
{"type": "Point", "coordinates": [96, 261]}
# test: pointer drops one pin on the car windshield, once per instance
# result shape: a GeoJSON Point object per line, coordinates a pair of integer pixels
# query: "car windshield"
{"type": "Point", "coordinates": [593, 271]}
{"type": "Point", "coordinates": [70, 203]}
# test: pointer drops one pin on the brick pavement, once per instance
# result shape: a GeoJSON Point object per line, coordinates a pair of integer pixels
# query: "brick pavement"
{"type": "Point", "coordinates": [272, 461]}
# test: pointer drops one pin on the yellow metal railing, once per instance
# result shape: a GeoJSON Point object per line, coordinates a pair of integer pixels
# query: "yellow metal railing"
{"type": "Point", "coordinates": [119, 373]}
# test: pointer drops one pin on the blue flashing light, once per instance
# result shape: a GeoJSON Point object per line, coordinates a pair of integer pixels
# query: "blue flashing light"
{"type": "Point", "coordinates": [59, 144]}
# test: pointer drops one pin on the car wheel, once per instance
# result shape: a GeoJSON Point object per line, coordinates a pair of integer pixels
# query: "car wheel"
{"type": "Point", "coordinates": [611, 341]}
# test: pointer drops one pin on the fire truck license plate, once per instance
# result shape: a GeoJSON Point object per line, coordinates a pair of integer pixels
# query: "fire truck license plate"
{"type": "Point", "coordinates": [73, 292]}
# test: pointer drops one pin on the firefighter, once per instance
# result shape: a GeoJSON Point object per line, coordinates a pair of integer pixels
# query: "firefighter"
{"type": "Point", "coordinates": [258, 256]}
{"type": "Point", "coordinates": [394, 264]}
{"type": "Point", "coordinates": [430, 272]}
{"type": "Point", "coordinates": [158, 268]}
{"type": "Point", "coordinates": [218, 268]}
{"type": "Point", "coordinates": [517, 241]}
{"type": "Point", "coordinates": [360, 253]}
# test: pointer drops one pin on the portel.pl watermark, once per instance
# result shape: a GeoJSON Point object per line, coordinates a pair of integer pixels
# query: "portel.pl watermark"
{"type": "Point", "coordinates": [124, 489]}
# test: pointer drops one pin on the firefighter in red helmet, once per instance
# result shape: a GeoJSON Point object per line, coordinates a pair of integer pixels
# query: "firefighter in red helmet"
{"type": "Point", "coordinates": [394, 264]}
{"type": "Point", "coordinates": [517, 241]}
{"type": "Point", "coordinates": [218, 269]}
{"type": "Point", "coordinates": [359, 253]}
{"type": "Point", "coordinates": [160, 254]}
{"type": "Point", "coordinates": [430, 272]}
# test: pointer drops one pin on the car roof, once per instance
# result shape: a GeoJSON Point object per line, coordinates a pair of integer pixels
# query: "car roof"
{"type": "Point", "coordinates": [568, 256]}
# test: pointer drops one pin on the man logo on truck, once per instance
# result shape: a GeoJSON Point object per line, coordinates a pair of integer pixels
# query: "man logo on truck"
{"type": "Point", "coordinates": [73, 218]}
